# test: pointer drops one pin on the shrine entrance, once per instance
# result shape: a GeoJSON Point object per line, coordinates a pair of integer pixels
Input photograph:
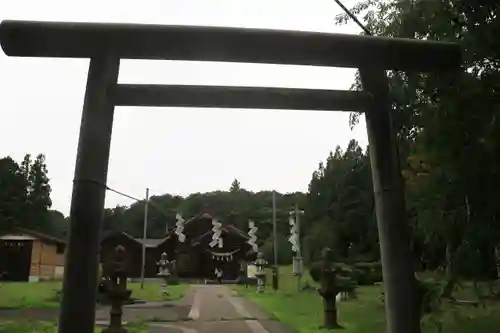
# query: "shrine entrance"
{"type": "Point", "coordinates": [196, 259]}
{"type": "Point", "coordinates": [106, 44]}
{"type": "Point", "coordinates": [225, 261]}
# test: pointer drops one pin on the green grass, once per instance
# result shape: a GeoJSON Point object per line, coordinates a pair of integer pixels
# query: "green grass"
{"type": "Point", "coordinates": [46, 327]}
{"type": "Point", "coordinates": [29, 295]}
{"type": "Point", "coordinates": [45, 294]}
{"type": "Point", "coordinates": [304, 311]}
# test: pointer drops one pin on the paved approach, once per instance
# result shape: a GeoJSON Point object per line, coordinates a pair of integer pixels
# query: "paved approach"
{"type": "Point", "coordinates": [215, 309]}
{"type": "Point", "coordinates": [205, 309]}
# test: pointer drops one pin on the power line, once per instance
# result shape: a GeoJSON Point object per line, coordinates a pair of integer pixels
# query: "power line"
{"type": "Point", "coordinates": [151, 202]}
{"type": "Point", "coordinates": [121, 193]}
{"type": "Point", "coordinates": [353, 17]}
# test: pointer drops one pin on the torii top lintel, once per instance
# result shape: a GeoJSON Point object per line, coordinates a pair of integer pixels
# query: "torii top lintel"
{"type": "Point", "coordinates": [197, 43]}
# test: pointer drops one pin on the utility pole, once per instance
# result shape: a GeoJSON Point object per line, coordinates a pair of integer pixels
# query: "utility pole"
{"type": "Point", "coordinates": [299, 252]}
{"type": "Point", "coordinates": [275, 245]}
{"type": "Point", "coordinates": [144, 236]}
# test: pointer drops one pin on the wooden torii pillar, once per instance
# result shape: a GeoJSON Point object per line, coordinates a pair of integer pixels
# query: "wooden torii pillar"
{"type": "Point", "coordinates": [106, 44]}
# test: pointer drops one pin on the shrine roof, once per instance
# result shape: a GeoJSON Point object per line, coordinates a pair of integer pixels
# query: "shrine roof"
{"type": "Point", "coordinates": [148, 242]}
{"type": "Point", "coordinates": [229, 228]}
{"type": "Point", "coordinates": [151, 242]}
{"type": "Point", "coordinates": [200, 216]}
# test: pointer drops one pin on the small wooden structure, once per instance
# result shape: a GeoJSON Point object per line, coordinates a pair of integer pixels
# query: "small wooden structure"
{"type": "Point", "coordinates": [154, 247]}
{"type": "Point", "coordinates": [29, 255]}
{"type": "Point", "coordinates": [106, 44]}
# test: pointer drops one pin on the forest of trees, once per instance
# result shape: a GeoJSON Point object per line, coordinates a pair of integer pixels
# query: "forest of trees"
{"type": "Point", "coordinates": [449, 142]}
{"type": "Point", "coordinates": [448, 131]}
{"type": "Point", "coordinates": [25, 197]}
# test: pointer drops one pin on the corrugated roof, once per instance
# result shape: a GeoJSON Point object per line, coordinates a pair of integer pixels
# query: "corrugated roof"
{"type": "Point", "coordinates": [40, 235]}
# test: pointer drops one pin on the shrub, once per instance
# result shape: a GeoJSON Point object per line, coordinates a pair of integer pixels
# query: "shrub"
{"type": "Point", "coordinates": [429, 294]}
{"type": "Point", "coordinates": [345, 276]}
{"type": "Point", "coordinates": [367, 273]}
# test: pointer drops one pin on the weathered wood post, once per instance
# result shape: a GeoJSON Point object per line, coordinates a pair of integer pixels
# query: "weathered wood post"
{"type": "Point", "coordinates": [393, 230]}
{"type": "Point", "coordinates": [87, 203]}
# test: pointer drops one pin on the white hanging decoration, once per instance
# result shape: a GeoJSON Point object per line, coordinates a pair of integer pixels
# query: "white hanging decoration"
{"type": "Point", "coordinates": [294, 237]}
{"type": "Point", "coordinates": [253, 237]}
{"type": "Point", "coordinates": [180, 228]}
{"type": "Point", "coordinates": [216, 236]}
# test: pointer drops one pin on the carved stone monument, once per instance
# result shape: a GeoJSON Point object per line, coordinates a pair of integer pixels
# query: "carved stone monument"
{"type": "Point", "coordinates": [117, 291]}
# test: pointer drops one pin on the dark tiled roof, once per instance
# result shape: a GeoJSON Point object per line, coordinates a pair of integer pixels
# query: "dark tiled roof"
{"type": "Point", "coordinates": [154, 242]}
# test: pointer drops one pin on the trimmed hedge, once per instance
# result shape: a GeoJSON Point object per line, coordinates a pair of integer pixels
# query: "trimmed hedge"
{"type": "Point", "coordinates": [345, 277]}
{"type": "Point", "coordinates": [348, 277]}
{"type": "Point", "coordinates": [429, 294]}
{"type": "Point", "coordinates": [368, 273]}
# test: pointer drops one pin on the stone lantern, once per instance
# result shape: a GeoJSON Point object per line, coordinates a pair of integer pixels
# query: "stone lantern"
{"type": "Point", "coordinates": [298, 266]}
{"type": "Point", "coordinates": [164, 271]}
{"type": "Point", "coordinates": [117, 291]}
{"type": "Point", "coordinates": [328, 289]}
{"type": "Point", "coordinates": [260, 273]}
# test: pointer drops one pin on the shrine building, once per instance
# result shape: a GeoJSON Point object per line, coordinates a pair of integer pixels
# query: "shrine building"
{"type": "Point", "coordinates": [195, 259]}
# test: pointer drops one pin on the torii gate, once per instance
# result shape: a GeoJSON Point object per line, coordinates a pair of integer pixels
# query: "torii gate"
{"type": "Point", "coordinates": [106, 44]}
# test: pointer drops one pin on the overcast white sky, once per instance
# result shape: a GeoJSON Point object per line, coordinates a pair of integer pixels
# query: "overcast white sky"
{"type": "Point", "coordinates": [175, 150]}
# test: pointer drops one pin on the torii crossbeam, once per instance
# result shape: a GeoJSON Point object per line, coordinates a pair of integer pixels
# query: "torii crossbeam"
{"type": "Point", "coordinates": [106, 44]}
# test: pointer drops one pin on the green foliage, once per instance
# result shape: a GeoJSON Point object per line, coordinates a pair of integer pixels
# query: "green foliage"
{"type": "Point", "coordinates": [27, 327]}
{"type": "Point", "coordinates": [285, 254]}
{"type": "Point", "coordinates": [49, 327]}
{"type": "Point", "coordinates": [232, 207]}
{"type": "Point", "coordinates": [367, 273]}
{"type": "Point", "coordinates": [13, 194]}
{"type": "Point", "coordinates": [25, 196]}
{"type": "Point", "coordinates": [339, 207]}
{"type": "Point", "coordinates": [345, 276]}
{"type": "Point", "coordinates": [304, 310]}
{"type": "Point", "coordinates": [29, 295]}
{"type": "Point", "coordinates": [235, 186]}
{"type": "Point", "coordinates": [448, 131]}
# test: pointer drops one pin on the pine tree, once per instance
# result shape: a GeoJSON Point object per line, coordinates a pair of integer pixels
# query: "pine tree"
{"type": "Point", "coordinates": [12, 194]}
{"type": "Point", "coordinates": [235, 186]}
{"type": "Point", "coordinates": [38, 194]}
